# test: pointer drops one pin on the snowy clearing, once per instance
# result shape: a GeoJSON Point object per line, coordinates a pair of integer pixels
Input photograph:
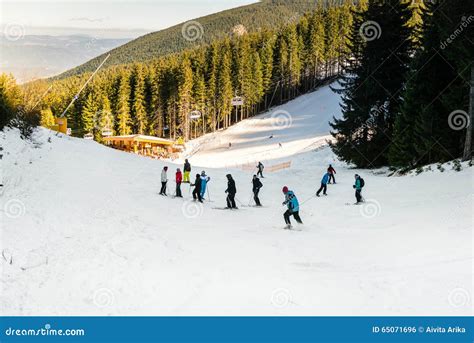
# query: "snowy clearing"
{"type": "Point", "coordinates": [84, 231]}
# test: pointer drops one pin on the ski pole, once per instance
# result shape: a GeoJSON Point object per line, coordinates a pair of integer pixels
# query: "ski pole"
{"type": "Point", "coordinates": [240, 202]}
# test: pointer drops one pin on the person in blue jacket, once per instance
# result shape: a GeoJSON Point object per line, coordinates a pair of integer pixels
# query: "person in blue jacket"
{"type": "Point", "coordinates": [324, 184]}
{"type": "Point", "coordinates": [293, 207]}
{"type": "Point", "coordinates": [204, 180]}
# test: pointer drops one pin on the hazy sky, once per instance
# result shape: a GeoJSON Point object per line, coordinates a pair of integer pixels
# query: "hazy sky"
{"type": "Point", "coordinates": [90, 16]}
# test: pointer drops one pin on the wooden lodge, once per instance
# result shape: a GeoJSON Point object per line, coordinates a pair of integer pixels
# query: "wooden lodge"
{"type": "Point", "coordinates": [144, 145]}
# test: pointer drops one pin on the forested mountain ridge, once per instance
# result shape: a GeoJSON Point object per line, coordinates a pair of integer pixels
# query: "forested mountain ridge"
{"type": "Point", "coordinates": [265, 67]}
{"type": "Point", "coordinates": [267, 14]}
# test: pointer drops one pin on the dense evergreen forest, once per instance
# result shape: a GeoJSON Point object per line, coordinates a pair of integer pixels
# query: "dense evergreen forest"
{"type": "Point", "coordinates": [404, 69]}
{"type": "Point", "coordinates": [406, 85]}
{"type": "Point", "coordinates": [265, 68]}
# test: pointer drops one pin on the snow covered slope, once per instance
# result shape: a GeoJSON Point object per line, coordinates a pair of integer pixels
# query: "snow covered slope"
{"type": "Point", "coordinates": [297, 126]}
{"type": "Point", "coordinates": [84, 232]}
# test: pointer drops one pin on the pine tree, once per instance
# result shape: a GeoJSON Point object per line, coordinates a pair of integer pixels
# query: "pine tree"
{"type": "Point", "coordinates": [185, 88]}
{"type": "Point", "coordinates": [47, 118]}
{"type": "Point", "coordinates": [267, 44]}
{"type": "Point", "coordinates": [224, 85]}
{"type": "Point", "coordinates": [89, 114]}
{"type": "Point", "coordinates": [212, 61]}
{"type": "Point", "coordinates": [435, 89]}
{"type": "Point", "coordinates": [372, 86]}
{"type": "Point", "coordinates": [257, 79]}
{"type": "Point", "coordinates": [122, 107]}
{"type": "Point", "coordinates": [106, 118]}
{"type": "Point", "coordinates": [10, 95]}
{"type": "Point", "coordinates": [138, 108]}
{"type": "Point", "coordinates": [315, 45]}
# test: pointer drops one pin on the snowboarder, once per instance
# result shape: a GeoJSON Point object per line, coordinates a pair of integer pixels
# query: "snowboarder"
{"type": "Point", "coordinates": [197, 188]}
{"type": "Point", "coordinates": [255, 189]}
{"type": "Point", "coordinates": [260, 167]}
{"type": "Point", "coordinates": [164, 180]}
{"type": "Point", "coordinates": [293, 207]}
{"type": "Point", "coordinates": [231, 191]}
{"type": "Point", "coordinates": [331, 172]}
{"type": "Point", "coordinates": [359, 183]}
{"type": "Point", "coordinates": [187, 171]}
{"type": "Point", "coordinates": [179, 179]}
{"type": "Point", "coordinates": [324, 185]}
{"type": "Point", "coordinates": [204, 180]}
{"type": "Point", "coordinates": [230, 145]}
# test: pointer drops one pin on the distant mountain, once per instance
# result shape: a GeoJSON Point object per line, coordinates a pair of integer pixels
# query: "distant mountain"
{"type": "Point", "coordinates": [39, 56]}
{"type": "Point", "coordinates": [265, 14]}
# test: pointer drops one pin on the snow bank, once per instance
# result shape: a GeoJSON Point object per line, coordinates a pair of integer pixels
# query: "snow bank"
{"type": "Point", "coordinates": [84, 232]}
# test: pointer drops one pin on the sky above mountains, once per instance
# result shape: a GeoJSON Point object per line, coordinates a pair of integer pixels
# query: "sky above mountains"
{"type": "Point", "coordinates": [105, 18]}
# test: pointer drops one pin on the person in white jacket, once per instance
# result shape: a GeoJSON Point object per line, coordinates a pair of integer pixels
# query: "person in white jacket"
{"type": "Point", "coordinates": [164, 180]}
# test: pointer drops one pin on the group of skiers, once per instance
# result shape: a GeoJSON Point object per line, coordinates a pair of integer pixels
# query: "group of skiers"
{"type": "Point", "coordinates": [291, 201]}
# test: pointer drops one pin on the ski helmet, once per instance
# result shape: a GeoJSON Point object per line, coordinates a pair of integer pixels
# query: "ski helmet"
{"type": "Point", "coordinates": [285, 190]}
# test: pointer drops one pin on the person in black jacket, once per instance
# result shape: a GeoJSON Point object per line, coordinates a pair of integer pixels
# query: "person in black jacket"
{"type": "Point", "coordinates": [187, 171]}
{"type": "Point", "coordinates": [231, 190]}
{"type": "Point", "coordinates": [197, 188]}
{"type": "Point", "coordinates": [255, 189]}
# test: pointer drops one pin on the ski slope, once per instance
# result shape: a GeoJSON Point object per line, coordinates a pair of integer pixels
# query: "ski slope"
{"type": "Point", "coordinates": [298, 126]}
{"type": "Point", "coordinates": [84, 231]}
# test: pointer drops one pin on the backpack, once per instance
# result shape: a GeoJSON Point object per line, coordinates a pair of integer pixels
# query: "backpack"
{"type": "Point", "coordinates": [362, 182]}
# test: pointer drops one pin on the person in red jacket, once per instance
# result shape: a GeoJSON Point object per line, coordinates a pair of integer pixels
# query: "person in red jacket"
{"type": "Point", "coordinates": [179, 179]}
{"type": "Point", "coordinates": [331, 172]}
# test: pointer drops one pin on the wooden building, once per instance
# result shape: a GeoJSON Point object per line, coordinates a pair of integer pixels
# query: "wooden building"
{"type": "Point", "coordinates": [144, 145]}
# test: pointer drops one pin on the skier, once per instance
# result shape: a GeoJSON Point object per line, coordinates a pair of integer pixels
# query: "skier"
{"type": "Point", "coordinates": [164, 180]}
{"type": "Point", "coordinates": [293, 207]}
{"type": "Point", "coordinates": [204, 180]}
{"type": "Point", "coordinates": [359, 183]}
{"type": "Point", "coordinates": [255, 189]}
{"type": "Point", "coordinates": [187, 171]}
{"type": "Point", "coordinates": [197, 188]}
{"type": "Point", "coordinates": [260, 167]}
{"type": "Point", "coordinates": [179, 179]}
{"type": "Point", "coordinates": [331, 172]}
{"type": "Point", "coordinates": [231, 190]}
{"type": "Point", "coordinates": [324, 185]}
